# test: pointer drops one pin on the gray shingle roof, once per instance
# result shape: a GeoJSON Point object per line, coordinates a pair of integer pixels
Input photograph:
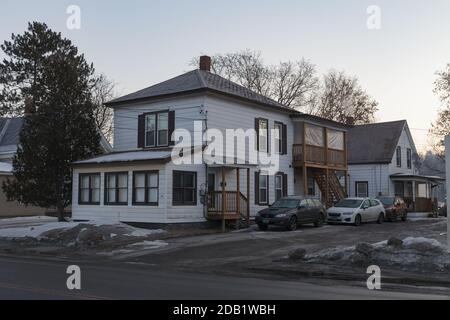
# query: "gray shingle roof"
{"type": "Point", "coordinates": [10, 129]}
{"type": "Point", "coordinates": [198, 80]}
{"type": "Point", "coordinates": [374, 143]}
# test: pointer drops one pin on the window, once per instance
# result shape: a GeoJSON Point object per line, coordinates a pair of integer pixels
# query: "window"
{"type": "Point", "coordinates": [366, 204]}
{"type": "Point", "coordinates": [278, 132]}
{"type": "Point", "coordinates": [263, 189]}
{"type": "Point", "coordinates": [362, 189]}
{"type": "Point", "coordinates": [409, 158]}
{"type": "Point", "coordinates": [311, 187]}
{"type": "Point", "coordinates": [279, 186]}
{"type": "Point", "coordinates": [145, 188]}
{"type": "Point", "coordinates": [116, 188]}
{"type": "Point", "coordinates": [374, 203]}
{"type": "Point", "coordinates": [89, 190]}
{"type": "Point", "coordinates": [163, 129]}
{"type": "Point", "coordinates": [184, 188]}
{"type": "Point", "coordinates": [399, 156]}
{"type": "Point", "coordinates": [157, 129]}
{"type": "Point", "coordinates": [263, 135]}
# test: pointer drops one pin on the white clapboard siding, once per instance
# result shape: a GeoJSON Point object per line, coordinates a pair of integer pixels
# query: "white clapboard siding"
{"type": "Point", "coordinates": [187, 110]}
{"type": "Point", "coordinates": [376, 175]}
{"type": "Point", "coordinates": [228, 114]}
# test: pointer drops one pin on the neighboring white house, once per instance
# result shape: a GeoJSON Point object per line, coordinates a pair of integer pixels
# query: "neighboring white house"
{"type": "Point", "coordinates": [141, 182]}
{"type": "Point", "coordinates": [382, 160]}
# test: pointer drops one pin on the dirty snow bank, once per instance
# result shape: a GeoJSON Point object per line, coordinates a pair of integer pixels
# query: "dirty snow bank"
{"type": "Point", "coordinates": [412, 254]}
{"type": "Point", "coordinates": [90, 233]}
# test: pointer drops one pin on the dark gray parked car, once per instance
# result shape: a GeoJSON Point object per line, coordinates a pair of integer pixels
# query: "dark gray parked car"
{"type": "Point", "coordinates": [290, 212]}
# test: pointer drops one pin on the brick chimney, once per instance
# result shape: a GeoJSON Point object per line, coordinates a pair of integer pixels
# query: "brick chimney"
{"type": "Point", "coordinates": [205, 63]}
{"type": "Point", "coordinates": [350, 121]}
{"type": "Point", "coordinates": [29, 106]}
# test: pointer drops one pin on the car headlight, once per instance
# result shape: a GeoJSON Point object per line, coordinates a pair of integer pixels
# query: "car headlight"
{"type": "Point", "coordinates": [348, 213]}
{"type": "Point", "coordinates": [281, 215]}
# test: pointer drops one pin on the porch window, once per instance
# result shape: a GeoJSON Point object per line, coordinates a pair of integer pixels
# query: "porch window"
{"type": "Point", "coordinates": [279, 186]}
{"type": "Point", "coordinates": [409, 158]}
{"type": "Point", "coordinates": [145, 188]}
{"type": "Point", "coordinates": [362, 189]}
{"type": "Point", "coordinates": [314, 135]}
{"type": "Point", "coordinates": [116, 188]}
{"type": "Point", "coordinates": [157, 129]}
{"type": "Point", "coordinates": [89, 189]}
{"type": "Point", "coordinates": [262, 128]}
{"type": "Point", "coordinates": [399, 156]}
{"type": "Point", "coordinates": [184, 191]}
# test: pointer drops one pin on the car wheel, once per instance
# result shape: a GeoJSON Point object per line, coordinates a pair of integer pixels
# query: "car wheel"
{"type": "Point", "coordinates": [358, 220]}
{"type": "Point", "coordinates": [319, 221]}
{"type": "Point", "coordinates": [405, 217]}
{"type": "Point", "coordinates": [380, 218]}
{"type": "Point", "coordinates": [263, 227]}
{"type": "Point", "coordinates": [292, 224]}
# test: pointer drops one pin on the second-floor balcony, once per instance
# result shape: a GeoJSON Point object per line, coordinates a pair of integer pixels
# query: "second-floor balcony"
{"type": "Point", "coordinates": [320, 156]}
{"type": "Point", "coordinates": [320, 147]}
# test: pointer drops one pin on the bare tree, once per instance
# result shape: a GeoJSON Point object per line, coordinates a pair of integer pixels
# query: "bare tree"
{"type": "Point", "coordinates": [441, 127]}
{"type": "Point", "coordinates": [290, 83]}
{"type": "Point", "coordinates": [340, 98]}
{"type": "Point", "coordinates": [296, 85]}
{"type": "Point", "coordinates": [103, 91]}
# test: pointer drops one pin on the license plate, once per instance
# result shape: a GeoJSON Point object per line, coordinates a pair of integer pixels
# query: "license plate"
{"type": "Point", "coordinates": [266, 221]}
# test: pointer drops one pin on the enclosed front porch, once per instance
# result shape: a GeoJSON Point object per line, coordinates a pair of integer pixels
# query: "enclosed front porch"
{"type": "Point", "coordinates": [419, 192]}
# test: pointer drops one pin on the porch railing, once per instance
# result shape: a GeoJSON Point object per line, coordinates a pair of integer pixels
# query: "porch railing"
{"type": "Point", "coordinates": [227, 202]}
{"type": "Point", "coordinates": [318, 155]}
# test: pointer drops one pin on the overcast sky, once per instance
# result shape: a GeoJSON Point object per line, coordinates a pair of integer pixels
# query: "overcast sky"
{"type": "Point", "coordinates": [139, 43]}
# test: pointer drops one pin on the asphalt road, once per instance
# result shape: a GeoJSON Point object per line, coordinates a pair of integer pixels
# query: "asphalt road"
{"type": "Point", "coordinates": [31, 278]}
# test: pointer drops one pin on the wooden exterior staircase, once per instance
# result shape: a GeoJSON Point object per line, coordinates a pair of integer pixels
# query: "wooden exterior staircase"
{"type": "Point", "coordinates": [330, 186]}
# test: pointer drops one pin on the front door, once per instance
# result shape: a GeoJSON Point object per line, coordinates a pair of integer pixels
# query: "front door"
{"type": "Point", "coordinates": [211, 182]}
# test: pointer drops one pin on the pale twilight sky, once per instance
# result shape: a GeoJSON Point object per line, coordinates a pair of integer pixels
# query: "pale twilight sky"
{"type": "Point", "coordinates": [139, 43]}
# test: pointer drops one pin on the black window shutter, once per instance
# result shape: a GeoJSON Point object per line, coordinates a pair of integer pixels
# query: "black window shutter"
{"type": "Point", "coordinates": [141, 131]}
{"type": "Point", "coordinates": [171, 127]}
{"type": "Point", "coordinates": [257, 133]}
{"type": "Point", "coordinates": [284, 140]}
{"type": "Point", "coordinates": [256, 188]}
{"type": "Point", "coordinates": [268, 189]}
{"type": "Point", "coordinates": [285, 185]}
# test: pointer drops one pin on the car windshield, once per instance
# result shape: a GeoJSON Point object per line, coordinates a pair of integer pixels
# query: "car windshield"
{"type": "Point", "coordinates": [349, 203]}
{"type": "Point", "coordinates": [387, 201]}
{"type": "Point", "coordinates": [286, 203]}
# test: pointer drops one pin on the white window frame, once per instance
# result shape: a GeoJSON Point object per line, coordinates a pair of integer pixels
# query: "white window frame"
{"type": "Point", "coordinates": [357, 193]}
{"type": "Point", "coordinates": [156, 116]}
{"type": "Point", "coordinates": [280, 189]}
{"type": "Point", "coordinates": [263, 147]}
{"type": "Point", "coordinates": [264, 187]}
{"type": "Point", "coordinates": [278, 127]}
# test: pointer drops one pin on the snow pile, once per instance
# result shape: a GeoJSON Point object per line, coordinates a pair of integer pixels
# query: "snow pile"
{"type": "Point", "coordinates": [412, 254]}
{"type": "Point", "coordinates": [77, 234]}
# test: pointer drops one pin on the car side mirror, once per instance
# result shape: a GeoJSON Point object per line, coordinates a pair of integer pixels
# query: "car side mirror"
{"type": "Point", "coordinates": [301, 207]}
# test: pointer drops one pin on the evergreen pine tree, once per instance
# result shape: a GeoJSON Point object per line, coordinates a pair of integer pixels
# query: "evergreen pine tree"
{"type": "Point", "coordinates": [48, 69]}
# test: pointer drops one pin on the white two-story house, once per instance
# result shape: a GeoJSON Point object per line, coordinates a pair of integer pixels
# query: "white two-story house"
{"type": "Point", "coordinates": [144, 180]}
{"type": "Point", "coordinates": [382, 161]}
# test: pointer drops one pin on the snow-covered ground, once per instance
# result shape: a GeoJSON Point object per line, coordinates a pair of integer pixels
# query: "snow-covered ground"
{"type": "Point", "coordinates": [21, 228]}
{"type": "Point", "coordinates": [412, 253]}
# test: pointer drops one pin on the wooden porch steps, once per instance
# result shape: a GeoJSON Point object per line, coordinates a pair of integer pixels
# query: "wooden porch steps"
{"type": "Point", "coordinates": [335, 191]}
